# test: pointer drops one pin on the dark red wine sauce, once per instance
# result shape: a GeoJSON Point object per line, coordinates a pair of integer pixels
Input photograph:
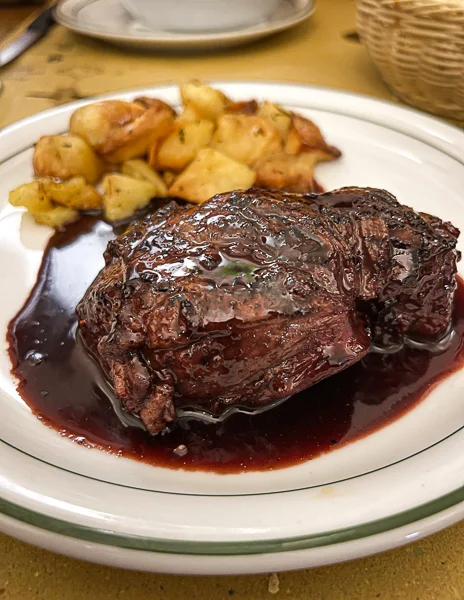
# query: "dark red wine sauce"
{"type": "Point", "coordinates": [65, 390]}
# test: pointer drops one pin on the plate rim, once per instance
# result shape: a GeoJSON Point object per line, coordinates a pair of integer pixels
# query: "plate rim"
{"type": "Point", "coordinates": [185, 564]}
{"type": "Point", "coordinates": [108, 537]}
{"type": "Point", "coordinates": [432, 509]}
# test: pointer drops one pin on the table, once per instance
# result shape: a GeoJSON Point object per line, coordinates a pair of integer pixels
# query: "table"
{"type": "Point", "coordinates": [324, 51]}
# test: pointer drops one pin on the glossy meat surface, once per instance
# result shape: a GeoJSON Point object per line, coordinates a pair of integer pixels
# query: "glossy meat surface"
{"type": "Point", "coordinates": [254, 296]}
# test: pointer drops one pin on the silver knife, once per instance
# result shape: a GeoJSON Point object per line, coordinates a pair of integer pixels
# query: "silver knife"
{"type": "Point", "coordinates": [26, 35]}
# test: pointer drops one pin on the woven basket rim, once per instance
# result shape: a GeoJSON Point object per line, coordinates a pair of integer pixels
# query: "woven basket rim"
{"type": "Point", "coordinates": [435, 8]}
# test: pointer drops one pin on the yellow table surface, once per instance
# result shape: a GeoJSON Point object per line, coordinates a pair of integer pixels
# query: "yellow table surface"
{"type": "Point", "coordinates": [324, 51]}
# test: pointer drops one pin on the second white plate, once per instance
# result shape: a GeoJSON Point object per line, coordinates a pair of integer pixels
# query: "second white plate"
{"type": "Point", "coordinates": [107, 20]}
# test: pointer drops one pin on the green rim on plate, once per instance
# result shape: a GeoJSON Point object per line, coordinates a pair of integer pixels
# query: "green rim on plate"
{"type": "Point", "coordinates": [147, 544]}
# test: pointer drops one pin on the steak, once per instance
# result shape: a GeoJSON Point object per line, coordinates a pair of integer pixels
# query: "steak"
{"type": "Point", "coordinates": [254, 296]}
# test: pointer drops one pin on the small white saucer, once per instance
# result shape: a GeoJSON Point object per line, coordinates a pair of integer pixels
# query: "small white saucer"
{"type": "Point", "coordinates": [107, 20]}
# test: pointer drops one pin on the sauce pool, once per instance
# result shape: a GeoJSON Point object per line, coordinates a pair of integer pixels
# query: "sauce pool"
{"type": "Point", "coordinates": [65, 390]}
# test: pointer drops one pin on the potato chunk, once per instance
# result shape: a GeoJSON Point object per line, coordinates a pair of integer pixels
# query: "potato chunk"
{"type": "Point", "coordinates": [181, 147]}
{"type": "Point", "coordinates": [32, 196]}
{"type": "Point", "coordinates": [306, 136]}
{"type": "Point", "coordinates": [211, 173]}
{"type": "Point", "coordinates": [74, 193]}
{"type": "Point", "coordinates": [99, 123]}
{"type": "Point", "coordinates": [188, 115]}
{"type": "Point", "coordinates": [244, 107]}
{"type": "Point", "coordinates": [277, 117]}
{"type": "Point", "coordinates": [148, 102]}
{"type": "Point", "coordinates": [290, 173]}
{"type": "Point", "coordinates": [293, 144]}
{"type": "Point", "coordinates": [36, 198]}
{"type": "Point", "coordinates": [139, 169]}
{"type": "Point", "coordinates": [209, 103]}
{"type": "Point", "coordinates": [169, 177]}
{"type": "Point", "coordinates": [66, 156]}
{"type": "Point", "coordinates": [43, 194]}
{"type": "Point", "coordinates": [57, 217]}
{"type": "Point", "coordinates": [245, 138]}
{"type": "Point", "coordinates": [119, 130]}
{"type": "Point", "coordinates": [124, 195]}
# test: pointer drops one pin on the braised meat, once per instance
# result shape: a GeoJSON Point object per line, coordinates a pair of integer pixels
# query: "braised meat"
{"type": "Point", "coordinates": [254, 296]}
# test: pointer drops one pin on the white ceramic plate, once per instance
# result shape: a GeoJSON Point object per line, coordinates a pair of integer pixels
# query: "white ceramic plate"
{"type": "Point", "coordinates": [107, 20]}
{"type": "Point", "coordinates": [403, 482]}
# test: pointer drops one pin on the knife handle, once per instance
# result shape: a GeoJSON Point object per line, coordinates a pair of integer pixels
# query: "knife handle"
{"type": "Point", "coordinates": [24, 25]}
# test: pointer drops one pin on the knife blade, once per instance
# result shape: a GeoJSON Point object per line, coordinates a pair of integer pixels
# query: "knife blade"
{"type": "Point", "coordinates": [27, 34]}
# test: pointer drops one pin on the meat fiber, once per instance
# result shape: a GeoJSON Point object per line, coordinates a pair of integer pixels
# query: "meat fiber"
{"type": "Point", "coordinates": [254, 296]}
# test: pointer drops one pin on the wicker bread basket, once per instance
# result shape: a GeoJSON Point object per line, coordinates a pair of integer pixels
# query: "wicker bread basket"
{"type": "Point", "coordinates": [418, 47]}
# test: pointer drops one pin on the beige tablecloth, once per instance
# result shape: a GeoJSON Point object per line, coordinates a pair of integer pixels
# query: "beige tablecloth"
{"type": "Point", "coordinates": [324, 51]}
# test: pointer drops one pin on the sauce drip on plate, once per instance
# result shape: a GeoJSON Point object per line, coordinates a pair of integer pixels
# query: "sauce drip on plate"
{"type": "Point", "coordinates": [64, 388]}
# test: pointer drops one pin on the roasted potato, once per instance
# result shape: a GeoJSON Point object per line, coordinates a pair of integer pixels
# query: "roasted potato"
{"type": "Point", "coordinates": [43, 194]}
{"type": "Point", "coordinates": [211, 173]}
{"type": "Point", "coordinates": [36, 198]}
{"type": "Point", "coordinates": [169, 177]}
{"type": "Point", "coordinates": [124, 195]}
{"type": "Point", "coordinates": [181, 147]}
{"type": "Point", "coordinates": [147, 102]}
{"type": "Point", "coordinates": [32, 196]}
{"type": "Point", "coordinates": [214, 145]}
{"type": "Point", "coordinates": [139, 169]}
{"type": "Point", "coordinates": [245, 107]}
{"type": "Point", "coordinates": [118, 130]}
{"type": "Point", "coordinates": [100, 122]}
{"type": "Point", "coordinates": [209, 103]}
{"type": "Point", "coordinates": [293, 144]}
{"type": "Point", "coordinates": [245, 138]}
{"type": "Point", "coordinates": [66, 156]}
{"type": "Point", "coordinates": [188, 115]}
{"type": "Point", "coordinates": [305, 136]}
{"type": "Point", "coordinates": [56, 217]}
{"type": "Point", "coordinates": [74, 193]}
{"type": "Point", "coordinates": [277, 117]}
{"type": "Point", "coordinates": [290, 173]}
{"type": "Point", "coordinates": [152, 154]}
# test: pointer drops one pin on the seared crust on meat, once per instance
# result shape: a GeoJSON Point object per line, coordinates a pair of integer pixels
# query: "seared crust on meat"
{"type": "Point", "coordinates": [254, 296]}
